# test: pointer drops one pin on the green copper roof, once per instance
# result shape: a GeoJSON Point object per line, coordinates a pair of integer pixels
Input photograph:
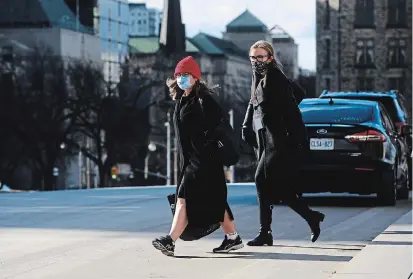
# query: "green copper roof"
{"type": "Point", "coordinates": [246, 21]}
{"type": "Point", "coordinates": [203, 41]}
{"type": "Point", "coordinates": [61, 16]}
{"type": "Point", "coordinates": [151, 45]}
{"type": "Point", "coordinates": [216, 46]}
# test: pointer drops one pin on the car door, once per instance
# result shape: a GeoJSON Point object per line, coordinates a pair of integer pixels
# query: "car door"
{"type": "Point", "coordinates": [401, 158]}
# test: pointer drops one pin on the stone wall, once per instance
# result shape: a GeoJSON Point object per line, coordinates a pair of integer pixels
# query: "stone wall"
{"type": "Point", "coordinates": [343, 72]}
{"type": "Point", "coordinates": [245, 40]}
{"type": "Point", "coordinates": [286, 50]}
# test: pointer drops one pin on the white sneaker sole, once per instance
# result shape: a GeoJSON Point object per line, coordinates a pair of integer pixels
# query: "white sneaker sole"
{"type": "Point", "coordinates": [233, 248]}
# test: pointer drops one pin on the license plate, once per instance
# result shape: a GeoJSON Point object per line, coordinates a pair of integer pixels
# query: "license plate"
{"type": "Point", "coordinates": [322, 144]}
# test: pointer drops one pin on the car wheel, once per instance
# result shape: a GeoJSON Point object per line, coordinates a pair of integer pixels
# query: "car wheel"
{"type": "Point", "coordinates": [403, 192]}
{"type": "Point", "coordinates": [386, 192]}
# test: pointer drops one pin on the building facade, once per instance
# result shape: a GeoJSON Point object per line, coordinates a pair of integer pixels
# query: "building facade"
{"type": "Point", "coordinates": [65, 29]}
{"type": "Point", "coordinates": [111, 23]}
{"type": "Point", "coordinates": [286, 51]}
{"type": "Point", "coordinates": [364, 45]}
{"type": "Point", "coordinates": [246, 29]}
{"type": "Point", "coordinates": [143, 21]}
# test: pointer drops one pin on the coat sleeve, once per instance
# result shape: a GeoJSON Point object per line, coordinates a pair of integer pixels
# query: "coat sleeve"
{"type": "Point", "coordinates": [292, 117]}
{"type": "Point", "coordinates": [294, 120]}
{"type": "Point", "coordinates": [247, 123]}
{"type": "Point", "coordinates": [299, 92]}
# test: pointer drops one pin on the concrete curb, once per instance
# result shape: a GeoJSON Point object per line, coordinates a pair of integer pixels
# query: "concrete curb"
{"type": "Point", "coordinates": [389, 255]}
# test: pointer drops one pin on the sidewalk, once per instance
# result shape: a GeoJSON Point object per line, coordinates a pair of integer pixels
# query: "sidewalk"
{"type": "Point", "coordinates": [388, 256]}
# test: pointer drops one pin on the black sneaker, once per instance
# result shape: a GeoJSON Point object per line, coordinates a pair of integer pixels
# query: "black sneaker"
{"type": "Point", "coordinates": [229, 245]}
{"type": "Point", "coordinates": [165, 244]}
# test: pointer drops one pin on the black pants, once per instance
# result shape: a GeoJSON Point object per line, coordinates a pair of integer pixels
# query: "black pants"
{"type": "Point", "coordinates": [269, 193]}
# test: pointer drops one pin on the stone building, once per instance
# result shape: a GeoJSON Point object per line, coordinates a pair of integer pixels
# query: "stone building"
{"type": "Point", "coordinates": [286, 50]}
{"type": "Point", "coordinates": [246, 29]}
{"type": "Point", "coordinates": [364, 45]}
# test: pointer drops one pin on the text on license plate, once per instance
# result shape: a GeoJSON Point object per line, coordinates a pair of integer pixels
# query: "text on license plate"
{"type": "Point", "coordinates": [321, 144]}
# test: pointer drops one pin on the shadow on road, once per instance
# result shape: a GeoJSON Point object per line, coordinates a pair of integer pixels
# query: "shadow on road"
{"type": "Point", "coordinates": [218, 256]}
{"type": "Point", "coordinates": [397, 232]}
{"type": "Point", "coordinates": [273, 256]}
{"type": "Point", "coordinates": [392, 243]}
{"type": "Point", "coordinates": [359, 248]}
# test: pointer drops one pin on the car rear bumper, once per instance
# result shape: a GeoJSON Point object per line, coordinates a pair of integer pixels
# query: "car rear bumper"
{"type": "Point", "coordinates": [358, 179]}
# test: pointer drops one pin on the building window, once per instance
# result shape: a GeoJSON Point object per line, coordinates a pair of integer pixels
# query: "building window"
{"type": "Point", "coordinates": [365, 53]}
{"type": "Point", "coordinates": [397, 51]}
{"type": "Point", "coordinates": [365, 84]}
{"type": "Point", "coordinates": [327, 83]}
{"type": "Point", "coordinates": [327, 54]}
{"type": "Point", "coordinates": [327, 15]}
{"type": "Point", "coordinates": [364, 14]}
{"type": "Point", "coordinates": [396, 84]}
{"type": "Point", "coordinates": [396, 13]}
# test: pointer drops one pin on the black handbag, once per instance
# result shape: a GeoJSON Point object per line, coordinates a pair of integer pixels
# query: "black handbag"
{"type": "Point", "coordinates": [192, 233]}
{"type": "Point", "coordinates": [225, 139]}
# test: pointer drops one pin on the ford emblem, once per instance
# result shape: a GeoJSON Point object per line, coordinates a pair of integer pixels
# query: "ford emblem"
{"type": "Point", "coordinates": [322, 131]}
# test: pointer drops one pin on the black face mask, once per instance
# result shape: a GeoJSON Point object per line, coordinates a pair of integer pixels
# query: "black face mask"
{"type": "Point", "coordinates": [260, 67]}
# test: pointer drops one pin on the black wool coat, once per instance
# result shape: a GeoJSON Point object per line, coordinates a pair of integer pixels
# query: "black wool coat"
{"type": "Point", "coordinates": [201, 173]}
{"type": "Point", "coordinates": [282, 141]}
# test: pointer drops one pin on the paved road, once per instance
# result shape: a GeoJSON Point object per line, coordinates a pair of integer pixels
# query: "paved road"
{"type": "Point", "coordinates": [106, 234]}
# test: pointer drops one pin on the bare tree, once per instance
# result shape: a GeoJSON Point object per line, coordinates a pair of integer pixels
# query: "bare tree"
{"type": "Point", "coordinates": [116, 119]}
{"type": "Point", "coordinates": [41, 111]}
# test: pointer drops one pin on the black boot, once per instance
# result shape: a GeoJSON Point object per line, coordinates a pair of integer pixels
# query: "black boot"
{"type": "Point", "coordinates": [314, 222]}
{"type": "Point", "coordinates": [313, 218]}
{"type": "Point", "coordinates": [264, 237]}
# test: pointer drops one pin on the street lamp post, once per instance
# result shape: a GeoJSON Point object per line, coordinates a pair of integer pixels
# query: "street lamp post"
{"type": "Point", "coordinates": [168, 150]}
{"type": "Point", "coordinates": [231, 168]}
{"type": "Point", "coordinates": [151, 148]}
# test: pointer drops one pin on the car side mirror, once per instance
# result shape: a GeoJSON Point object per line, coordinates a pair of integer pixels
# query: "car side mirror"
{"type": "Point", "coordinates": [406, 130]}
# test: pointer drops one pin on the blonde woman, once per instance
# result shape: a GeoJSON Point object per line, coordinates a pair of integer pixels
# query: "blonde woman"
{"type": "Point", "coordinates": [202, 190]}
{"type": "Point", "coordinates": [273, 125]}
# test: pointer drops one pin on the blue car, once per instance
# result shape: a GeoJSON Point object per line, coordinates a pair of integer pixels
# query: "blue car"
{"type": "Point", "coordinates": [354, 148]}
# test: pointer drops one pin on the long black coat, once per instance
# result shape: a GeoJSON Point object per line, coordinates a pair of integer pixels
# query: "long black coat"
{"type": "Point", "coordinates": [201, 174]}
{"type": "Point", "coordinates": [282, 141]}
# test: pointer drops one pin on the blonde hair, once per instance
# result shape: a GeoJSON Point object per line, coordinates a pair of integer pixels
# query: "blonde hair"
{"type": "Point", "coordinates": [269, 48]}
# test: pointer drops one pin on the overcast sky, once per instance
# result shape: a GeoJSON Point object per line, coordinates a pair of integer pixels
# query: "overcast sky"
{"type": "Point", "coordinates": [297, 17]}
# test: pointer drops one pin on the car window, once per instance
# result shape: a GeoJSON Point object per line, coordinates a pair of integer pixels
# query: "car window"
{"type": "Point", "coordinates": [387, 102]}
{"type": "Point", "coordinates": [400, 100]}
{"type": "Point", "coordinates": [386, 120]}
{"type": "Point", "coordinates": [344, 114]}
